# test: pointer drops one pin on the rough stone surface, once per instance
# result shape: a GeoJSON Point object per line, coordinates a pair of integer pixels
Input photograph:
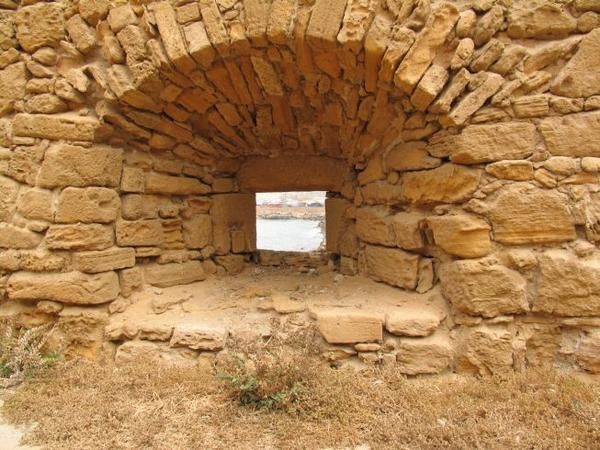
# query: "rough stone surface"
{"type": "Point", "coordinates": [87, 205]}
{"type": "Point", "coordinates": [573, 135]}
{"type": "Point", "coordinates": [483, 289]}
{"type": "Point", "coordinates": [173, 274]}
{"type": "Point", "coordinates": [350, 327]}
{"type": "Point", "coordinates": [523, 214]}
{"type": "Point", "coordinates": [449, 183]}
{"type": "Point", "coordinates": [461, 235]}
{"type": "Point", "coordinates": [105, 260]}
{"type": "Point", "coordinates": [392, 266]}
{"type": "Point", "coordinates": [428, 355]}
{"type": "Point", "coordinates": [71, 287]}
{"type": "Point", "coordinates": [412, 322]}
{"type": "Point", "coordinates": [199, 337]}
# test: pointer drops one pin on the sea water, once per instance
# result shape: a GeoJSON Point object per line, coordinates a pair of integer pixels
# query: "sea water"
{"type": "Point", "coordinates": [297, 235]}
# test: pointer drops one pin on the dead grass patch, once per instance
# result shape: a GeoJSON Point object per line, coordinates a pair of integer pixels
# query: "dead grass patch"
{"type": "Point", "coordinates": [80, 404]}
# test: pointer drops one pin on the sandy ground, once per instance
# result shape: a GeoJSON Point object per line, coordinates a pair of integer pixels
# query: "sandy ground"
{"type": "Point", "coordinates": [10, 435]}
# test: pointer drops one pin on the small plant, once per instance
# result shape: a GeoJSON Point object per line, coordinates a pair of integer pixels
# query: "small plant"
{"type": "Point", "coordinates": [271, 375]}
{"type": "Point", "coordinates": [21, 352]}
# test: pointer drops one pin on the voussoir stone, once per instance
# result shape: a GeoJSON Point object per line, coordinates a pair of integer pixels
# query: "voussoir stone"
{"type": "Point", "coordinates": [479, 288]}
{"type": "Point", "coordinates": [71, 287]}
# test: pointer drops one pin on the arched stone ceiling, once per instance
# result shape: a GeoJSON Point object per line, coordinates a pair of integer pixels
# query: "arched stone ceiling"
{"type": "Point", "coordinates": [339, 78]}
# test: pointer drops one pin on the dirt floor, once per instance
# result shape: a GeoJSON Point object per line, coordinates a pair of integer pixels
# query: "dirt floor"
{"type": "Point", "coordinates": [81, 405]}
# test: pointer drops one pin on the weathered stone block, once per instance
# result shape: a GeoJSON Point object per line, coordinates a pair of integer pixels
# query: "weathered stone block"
{"type": "Point", "coordinates": [198, 337]}
{"type": "Point", "coordinates": [8, 197]}
{"type": "Point", "coordinates": [166, 275]}
{"type": "Point", "coordinates": [572, 135]}
{"type": "Point", "coordinates": [71, 287]}
{"type": "Point", "coordinates": [105, 260]}
{"type": "Point", "coordinates": [461, 235]}
{"type": "Point", "coordinates": [56, 127]}
{"type": "Point", "coordinates": [15, 237]}
{"type": "Point", "coordinates": [79, 237]}
{"type": "Point", "coordinates": [325, 23]}
{"type": "Point", "coordinates": [373, 225]}
{"type": "Point", "coordinates": [130, 280]}
{"type": "Point", "coordinates": [36, 204]}
{"type": "Point", "coordinates": [139, 233]}
{"type": "Point", "coordinates": [392, 266]}
{"type": "Point", "coordinates": [413, 321]}
{"type": "Point", "coordinates": [479, 288]}
{"type": "Point", "coordinates": [486, 143]}
{"type": "Point", "coordinates": [485, 351]}
{"type": "Point", "coordinates": [448, 183]}
{"type": "Point", "coordinates": [568, 286]}
{"type": "Point", "coordinates": [588, 352]}
{"type": "Point", "coordinates": [87, 205]}
{"type": "Point", "coordinates": [39, 25]}
{"type": "Point", "coordinates": [428, 355]}
{"type": "Point", "coordinates": [410, 156]}
{"type": "Point", "coordinates": [523, 214]}
{"type": "Point", "coordinates": [350, 327]}
{"type": "Point", "coordinates": [68, 165]}
{"type": "Point", "coordinates": [13, 80]}
{"type": "Point", "coordinates": [165, 184]}
{"type": "Point", "coordinates": [132, 180]}
{"type": "Point", "coordinates": [197, 231]}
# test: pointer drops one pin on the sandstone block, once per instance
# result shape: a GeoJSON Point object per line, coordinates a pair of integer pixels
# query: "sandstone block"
{"type": "Point", "coordinates": [13, 80]}
{"type": "Point", "coordinates": [350, 327]}
{"type": "Point", "coordinates": [105, 260]}
{"type": "Point", "coordinates": [156, 332]}
{"type": "Point", "coordinates": [485, 351]}
{"type": "Point", "coordinates": [233, 211]}
{"type": "Point", "coordinates": [461, 235]}
{"type": "Point", "coordinates": [79, 237]}
{"type": "Point", "coordinates": [15, 237]}
{"type": "Point", "coordinates": [523, 214]}
{"type": "Point", "coordinates": [392, 266]}
{"type": "Point", "coordinates": [94, 10]}
{"type": "Point", "coordinates": [8, 197]}
{"type": "Point", "coordinates": [172, 39]}
{"type": "Point", "coordinates": [416, 322]}
{"type": "Point", "coordinates": [150, 352]}
{"type": "Point", "coordinates": [139, 233]}
{"type": "Point", "coordinates": [588, 352]}
{"type": "Point", "coordinates": [483, 289]}
{"type": "Point", "coordinates": [81, 34]}
{"type": "Point", "coordinates": [132, 180]}
{"type": "Point", "coordinates": [572, 135]}
{"type": "Point", "coordinates": [373, 225]}
{"type": "Point", "coordinates": [198, 44]}
{"type": "Point", "coordinates": [335, 222]}
{"type": "Point", "coordinates": [406, 227]}
{"type": "Point", "coordinates": [410, 156]}
{"type": "Point", "coordinates": [428, 355]}
{"type": "Point", "coordinates": [568, 286]}
{"type": "Point", "coordinates": [429, 87]}
{"type": "Point", "coordinates": [198, 337]}
{"type": "Point", "coordinates": [540, 19]}
{"type": "Point", "coordinates": [197, 231]}
{"type": "Point", "coordinates": [71, 287]}
{"type": "Point", "coordinates": [166, 275]}
{"type": "Point", "coordinates": [511, 170]}
{"type": "Point", "coordinates": [121, 16]}
{"type": "Point", "coordinates": [439, 24]}
{"type": "Point", "coordinates": [55, 127]}
{"type": "Point", "coordinates": [165, 184]}
{"type": "Point", "coordinates": [130, 280]}
{"type": "Point", "coordinates": [68, 165]}
{"type": "Point", "coordinates": [36, 204]}
{"type": "Point", "coordinates": [448, 183]}
{"type": "Point", "coordinates": [233, 264]}
{"type": "Point", "coordinates": [325, 23]}
{"type": "Point", "coordinates": [87, 205]}
{"type": "Point", "coordinates": [474, 100]}
{"type": "Point", "coordinates": [39, 25]}
{"type": "Point", "coordinates": [486, 143]}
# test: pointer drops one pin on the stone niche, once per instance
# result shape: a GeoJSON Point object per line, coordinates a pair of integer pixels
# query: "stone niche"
{"type": "Point", "coordinates": [460, 142]}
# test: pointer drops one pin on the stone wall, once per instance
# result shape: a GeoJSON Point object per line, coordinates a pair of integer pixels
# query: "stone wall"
{"type": "Point", "coordinates": [460, 141]}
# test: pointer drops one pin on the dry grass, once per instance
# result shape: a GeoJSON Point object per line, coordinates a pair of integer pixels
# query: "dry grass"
{"type": "Point", "coordinates": [21, 352]}
{"type": "Point", "coordinates": [81, 405]}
